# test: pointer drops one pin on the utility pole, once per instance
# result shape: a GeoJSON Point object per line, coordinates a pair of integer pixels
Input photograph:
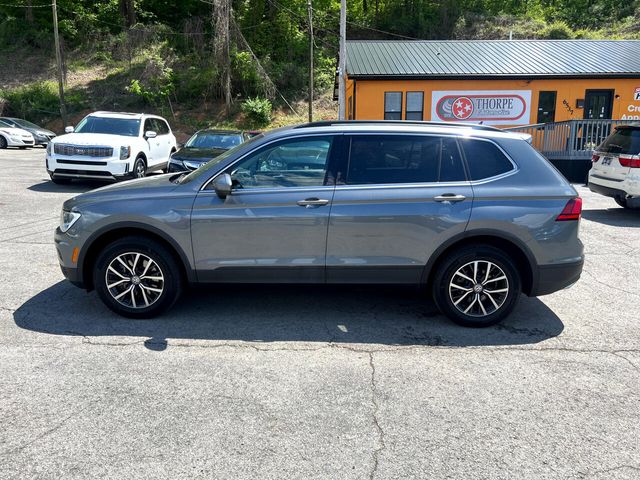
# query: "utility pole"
{"type": "Point", "coordinates": [310, 12]}
{"type": "Point", "coordinates": [63, 108]}
{"type": "Point", "coordinates": [342, 63]}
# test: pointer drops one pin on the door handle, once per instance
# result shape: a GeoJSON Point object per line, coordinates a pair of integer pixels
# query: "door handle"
{"type": "Point", "coordinates": [449, 197]}
{"type": "Point", "coordinates": [312, 202]}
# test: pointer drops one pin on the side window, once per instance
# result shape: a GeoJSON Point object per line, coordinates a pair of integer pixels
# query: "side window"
{"type": "Point", "coordinates": [149, 124]}
{"type": "Point", "coordinates": [415, 102]}
{"type": "Point", "coordinates": [484, 159]}
{"type": "Point", "coordinates": [290, 163]}
{"type": "Point", "coordinates": [393, 105]}
{"type": "Point", "coordinates": [163, 128]}
{"type": "Point", "coordinates": [403, 159]}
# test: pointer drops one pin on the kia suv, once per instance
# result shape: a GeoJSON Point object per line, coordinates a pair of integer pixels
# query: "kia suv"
{"type": "Point", "coordinates": [472, 216]}
{"type": "Point", "coordinates": [616, 167]}
{"type": "Point", "coordinates": [111, 146]}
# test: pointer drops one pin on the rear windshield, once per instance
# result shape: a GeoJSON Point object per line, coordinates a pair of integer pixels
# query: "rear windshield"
{"type": "Point", "coordinates": [109, 125]}
{"type": "Point", "coordinates": [624, 140]}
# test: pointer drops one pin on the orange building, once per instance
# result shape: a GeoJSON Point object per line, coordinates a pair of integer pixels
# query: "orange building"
{"type": "Point", "coordinates": [505, 83]}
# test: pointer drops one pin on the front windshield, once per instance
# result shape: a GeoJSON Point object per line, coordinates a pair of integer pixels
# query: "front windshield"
{"type": "Point", "coordinates": [205, 169]}
{"type": "Point", "coordinates": [109, 125]}
{"type": "Point", "coordinates": [25, 123]}
{"type": "Point", "coordinates": [5, 124]}
{"type": "Point", "coordinates": [213, 140]}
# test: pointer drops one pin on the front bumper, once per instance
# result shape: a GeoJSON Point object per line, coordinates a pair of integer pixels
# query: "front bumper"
{"type": "Point", "coordinates": [21, 142]}
{"type": "Point", "coordinates": [99, 168]}
{"type": "Point", "coordinates": [552, 278]}
{"type": "Point", "coordinates": [64, 247]}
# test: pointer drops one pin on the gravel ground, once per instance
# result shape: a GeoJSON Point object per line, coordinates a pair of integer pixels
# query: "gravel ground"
{"type": "Point", "coordinates": [282, 382]}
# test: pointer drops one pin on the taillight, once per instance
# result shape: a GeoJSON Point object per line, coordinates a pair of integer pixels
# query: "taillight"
{"type": "Point", "coordinates": [571, 211]}
{"type": "Point", "coordinates": [632, 161]}
{"type": "Point", "coordinates": [595, 158]}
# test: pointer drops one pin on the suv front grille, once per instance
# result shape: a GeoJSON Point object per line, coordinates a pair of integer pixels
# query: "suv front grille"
{"type": "Point", "coordinates": [89, 151]}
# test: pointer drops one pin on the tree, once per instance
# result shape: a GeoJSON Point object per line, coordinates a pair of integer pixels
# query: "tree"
{"type": "Point", "coordinates": [128, 12]}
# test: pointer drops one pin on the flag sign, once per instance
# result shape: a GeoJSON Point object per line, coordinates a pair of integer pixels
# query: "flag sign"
{"type": "Point", "coordinates": [492, 107]}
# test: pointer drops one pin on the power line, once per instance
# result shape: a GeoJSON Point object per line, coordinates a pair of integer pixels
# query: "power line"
{"type": "Point", "coordinates": [26, 6]}
{"type": "Point", "coordinates": [364, 27]}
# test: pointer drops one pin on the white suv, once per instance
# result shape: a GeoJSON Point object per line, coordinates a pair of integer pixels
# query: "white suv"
{"type": "Point", "coordinates": [108, 145]}
{"type": "Point", "coordinates": [616, 167]}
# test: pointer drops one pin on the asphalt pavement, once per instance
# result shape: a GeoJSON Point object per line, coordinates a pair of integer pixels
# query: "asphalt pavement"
{"type": "Point", "coordinates": [312, 382]}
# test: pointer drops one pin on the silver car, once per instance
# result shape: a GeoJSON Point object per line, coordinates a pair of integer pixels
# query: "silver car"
{"type": "Point", "coordinates": [472, 215]}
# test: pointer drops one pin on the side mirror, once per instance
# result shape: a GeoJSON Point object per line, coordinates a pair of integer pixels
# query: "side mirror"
{"type": "Point", "coordinates": [150, 134]}
{"type": "Point", "coordinates": [223, 185]}
{"type": "Point", "coordinates": [68, 129]}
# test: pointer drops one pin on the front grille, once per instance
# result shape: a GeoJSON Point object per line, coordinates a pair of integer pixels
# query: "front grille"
{"type": "Point", "coordinates": [89, 151]}
{"type": "Point", "coordinates": [81, 162]}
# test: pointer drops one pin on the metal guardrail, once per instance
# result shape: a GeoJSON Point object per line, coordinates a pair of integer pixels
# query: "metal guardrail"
{"type": "Point", "coordinates": [570, 139]}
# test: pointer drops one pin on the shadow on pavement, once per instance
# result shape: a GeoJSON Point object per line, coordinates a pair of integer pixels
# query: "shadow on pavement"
{"type": "Point", "coordinates": [352, 315]}
{"type": "Point", "coordinates": [76, 186]}
{"type": "Point", "coordinates": [615, 217]}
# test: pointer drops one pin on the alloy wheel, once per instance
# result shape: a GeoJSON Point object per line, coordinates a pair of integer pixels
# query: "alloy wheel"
{"type": "Point", "coordinates": [134, 280]}
{"type": "Point", "coordinates": [479, 288]}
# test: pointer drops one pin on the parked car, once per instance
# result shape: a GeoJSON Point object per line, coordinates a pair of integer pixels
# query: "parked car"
{"type": "Point", "coordinates": [111, 146]}
{"type": "Point", "coordinates": [42, 136]}
{"type": "Point", "coordinates": [14, 137]}
{"type": "Point", "coordinates": [203, 146]}
{"type": "Point", "coordinates": [615, 171]}
{"type": "Point", "coordinates": [472, 215]}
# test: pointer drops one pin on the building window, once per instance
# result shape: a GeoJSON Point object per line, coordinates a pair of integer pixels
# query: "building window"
{"type": "Point", "coordinates": [415, 102]}
{"type": "Point", "coordinates": [546, 107]}
{"type": "Point", "coordinates": [393, 105]}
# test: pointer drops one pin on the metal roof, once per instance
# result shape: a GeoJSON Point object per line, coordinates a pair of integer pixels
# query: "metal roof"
{"type": "Point", "coordinates": [493, 58]}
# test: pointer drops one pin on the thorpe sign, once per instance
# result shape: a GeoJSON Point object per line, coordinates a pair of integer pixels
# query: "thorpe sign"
{"type": "Point", "coordinates": [491, 107]}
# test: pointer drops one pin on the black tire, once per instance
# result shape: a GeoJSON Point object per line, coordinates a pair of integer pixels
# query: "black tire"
{"type": "Point", "coordinates": [463, 259]}
{"type": "Point", "coordinates": [139, 168]}
{"type": "Point", "coordinates": [622, 202]}
{"type": "Point", "coordinates": [61, 181]}
{"type": "Point", "coordinates": [3, 142]}
{"type": "Point", "coordinates": [167, 268]}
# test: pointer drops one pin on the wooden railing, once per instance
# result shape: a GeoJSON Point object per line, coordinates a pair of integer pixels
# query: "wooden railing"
{"type": "Point", "coordinates": [571, 139]}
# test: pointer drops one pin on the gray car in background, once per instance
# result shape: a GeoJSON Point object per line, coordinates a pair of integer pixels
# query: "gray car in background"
{"type": "Point", "coordinates": [471, 215]}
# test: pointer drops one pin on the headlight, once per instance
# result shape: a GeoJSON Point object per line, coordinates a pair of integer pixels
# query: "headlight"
{"type": "Point", "coordinates": [192, 165]}
{"type": "Point", "coordinates": [125, 152]}
{"type": "Point", "coordinates": [68, 219]}
{"type": "Point", "coordinates": [49, 147]}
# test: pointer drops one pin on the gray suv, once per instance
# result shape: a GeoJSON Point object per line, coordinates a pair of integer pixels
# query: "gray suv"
{"type": "Point", "coordinates": [472, 215]}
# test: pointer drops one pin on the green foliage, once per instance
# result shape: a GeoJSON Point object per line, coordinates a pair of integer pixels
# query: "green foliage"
{"type": "Point", "coordinates": [33, 100]}
{"type": "Point", "coordinates": [557, 31]}
{"type": "Point", "coordinates": [258, 111]}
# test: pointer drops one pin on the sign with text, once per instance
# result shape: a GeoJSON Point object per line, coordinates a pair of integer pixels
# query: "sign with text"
{"type": "Point", "coordinates": [491, 107]}
{"type": "Point", "coordinates": [636, 94]}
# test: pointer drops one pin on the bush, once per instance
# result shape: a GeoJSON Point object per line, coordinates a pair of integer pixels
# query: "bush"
{"type": "Point", "coordinates": [557, 31]}
{"type": "Point", "coordinates": [257, 110]}
{"type": "Point", "coordinates": [36, 100]}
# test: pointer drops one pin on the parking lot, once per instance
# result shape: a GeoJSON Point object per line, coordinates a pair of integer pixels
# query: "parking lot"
{"type": "Point", "coordinates": [310, 382]}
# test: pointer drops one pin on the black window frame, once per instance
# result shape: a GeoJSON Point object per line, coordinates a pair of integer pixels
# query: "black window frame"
{"type": "Point", "coordinates": [399, 92]}
{"type": "Point", "coordinates": [407, 111]}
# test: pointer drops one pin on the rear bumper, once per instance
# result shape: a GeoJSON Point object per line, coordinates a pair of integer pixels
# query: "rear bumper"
{"type": "Point", "coordinates": [629, 186]}
{"type": "Point", "coordinates": [552, 278]}
{"type": "Point", "coordinates": [606, 191]}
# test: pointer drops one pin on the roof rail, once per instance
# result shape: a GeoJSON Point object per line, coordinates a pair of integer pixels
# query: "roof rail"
{"type": "Point", "coordinates": [327, 123]}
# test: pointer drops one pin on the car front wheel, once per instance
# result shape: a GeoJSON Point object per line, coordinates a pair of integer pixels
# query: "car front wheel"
{"type": "Point", "coordinates": [137, 277]}
{"type": "Point", "coordinates": [139, 168]}
{"type": "Point", "coordinates": [477, 286]}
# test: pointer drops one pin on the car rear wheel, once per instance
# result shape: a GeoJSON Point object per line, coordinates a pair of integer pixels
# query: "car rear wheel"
{"type": "Point", "coordinates": [476, 286]}
{"type": "Point", "coordinates": [137, 277]}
